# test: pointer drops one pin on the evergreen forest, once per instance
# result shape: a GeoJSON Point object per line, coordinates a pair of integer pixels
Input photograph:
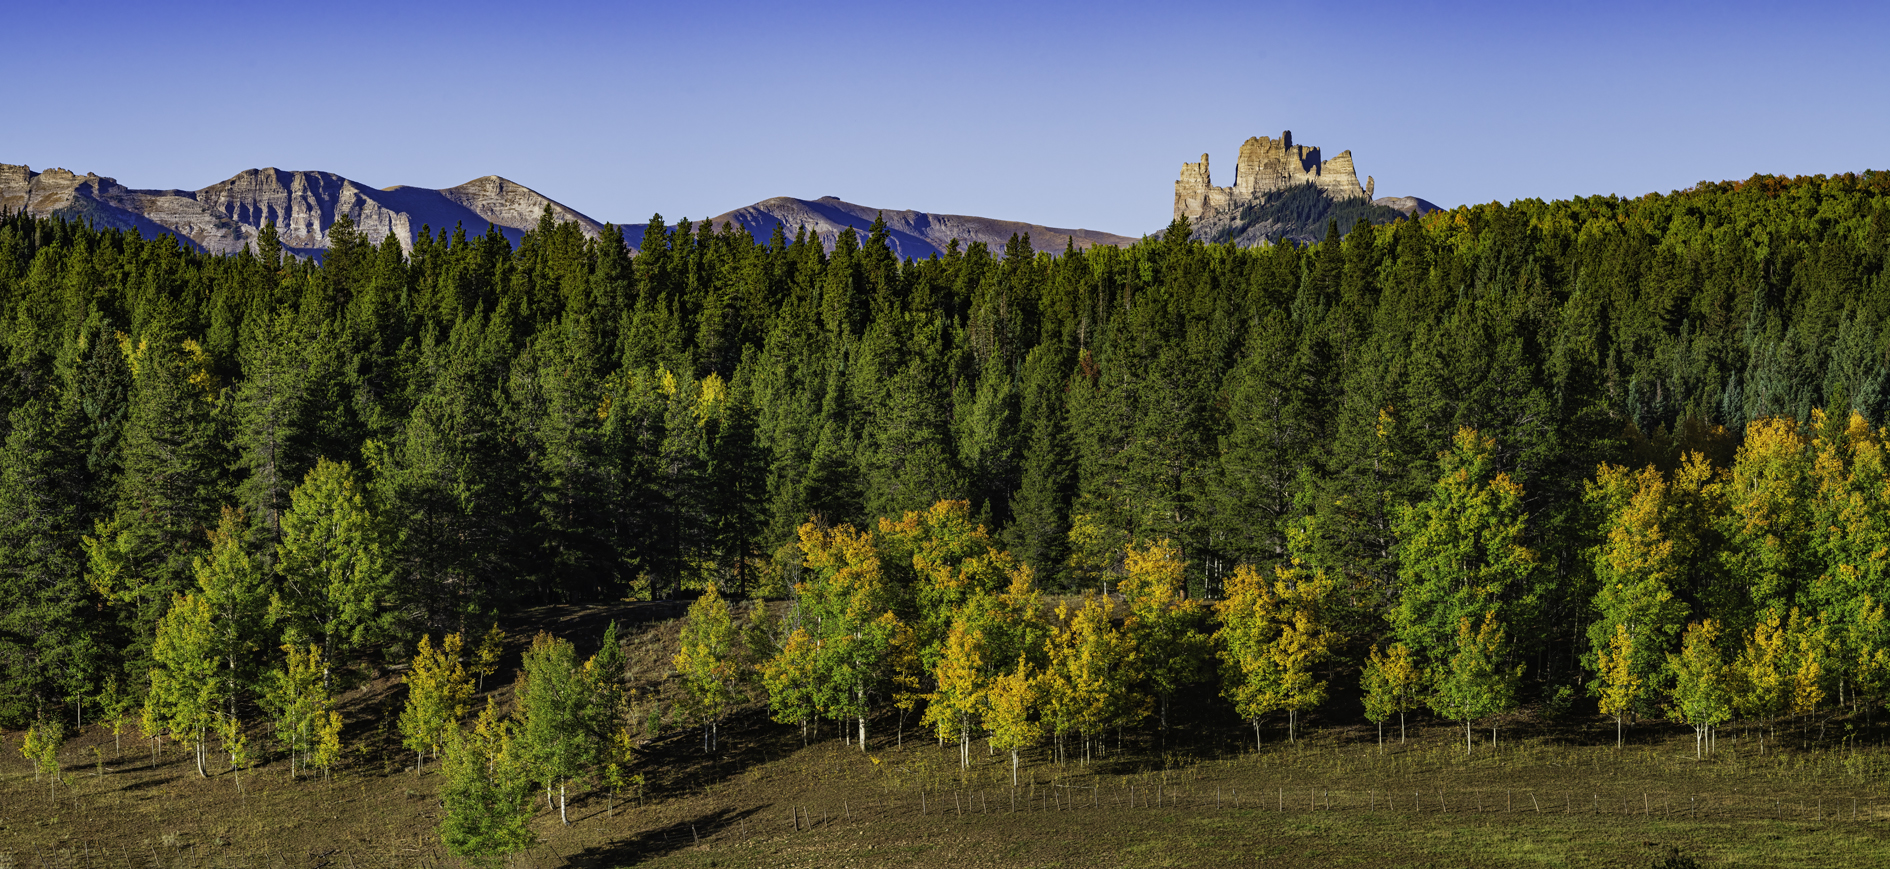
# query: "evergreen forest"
{"type": "Point", "coordinates": [1633, 450]}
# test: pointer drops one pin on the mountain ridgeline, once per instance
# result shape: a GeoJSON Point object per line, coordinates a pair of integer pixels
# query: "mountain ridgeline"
{"type": "Point", "coordinates": [396, 440]}
{"type": "Point", "coordinates": [229, 216]}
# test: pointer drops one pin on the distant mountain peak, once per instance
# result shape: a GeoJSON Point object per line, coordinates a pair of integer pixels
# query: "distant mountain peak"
{"type": "Point", "coordinates": [227, 216]}
{"type": "Point", "coordinates": [912, 234]}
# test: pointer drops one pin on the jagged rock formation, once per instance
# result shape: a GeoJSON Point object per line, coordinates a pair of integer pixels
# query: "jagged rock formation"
{"type": "Point", "coordinates": [226, 217]}
{"type": "Point", "coordinates": [915, 234]}
{"type": "Point", "coordinates": [1283, 191]}
{"type": "Point", "coordinates": [1265, 166]}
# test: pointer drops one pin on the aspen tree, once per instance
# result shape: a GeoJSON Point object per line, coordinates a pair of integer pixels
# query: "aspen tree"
{"type": "Point", "coordinates": [1476, 684]}
{"type": "Point", "coordinates": [1271, 637]}
{"type": "Point", "coordinates": [1012, 701]}
{"type": "Point", "coordinates": [298, 702]}
{"type": "Point", "coordinates": [186, 692]}
{"type": "Point", "coordinates": [336, 572]}
{"type": "Point", "coordinates": [439, 694]}
{"type": "Point", "coordinates": [1621, 683]}
{"type": "Point", "coordinates": [709, 663]}
{"type": "Point", "coordinates": [1393, 684]}
{"type": "Point", "coordinates": [959, 701]}
{"type": "Point", "coordinates": [327, 751]}
{"type": "Point", "coordinates": [847, 608]}
{"type": "Point", "coordinates": [487, 792]}
{"type": "Point", "coordinates": [1461, 554]}
{"type": "Point", "coordinates": [1164, 621]}
{"type": "Point", "coordinates": [1092, 666]}
{"type": "Point", "coordinates": [1637, 564]}
{"type": "Point", "coordinates": [1703, 684]}
{"type": "Point", "coordinates": [41, 748]}
{"type": "Point", "coordinates": [486, 656]}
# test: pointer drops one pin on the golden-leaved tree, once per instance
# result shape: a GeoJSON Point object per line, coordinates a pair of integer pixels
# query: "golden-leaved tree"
{"type": "Point", "coordinates": [1092, 668]}
{"type": "Point", "coordinates": [1272, 636]}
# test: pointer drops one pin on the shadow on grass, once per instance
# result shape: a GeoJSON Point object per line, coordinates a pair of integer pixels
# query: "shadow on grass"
{"type": "Point", "coordinates": [662, 840]}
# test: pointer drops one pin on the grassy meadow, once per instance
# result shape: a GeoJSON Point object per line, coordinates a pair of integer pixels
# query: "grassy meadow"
{"type": "Point", "coordinates": [1545, 794]}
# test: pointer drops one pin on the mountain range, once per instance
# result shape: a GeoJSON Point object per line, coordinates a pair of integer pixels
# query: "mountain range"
{"type": "Point", "coordinates": [227, 216]}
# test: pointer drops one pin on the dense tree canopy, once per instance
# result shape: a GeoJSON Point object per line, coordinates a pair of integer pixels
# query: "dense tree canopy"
{"type": "Point", "coordinates": [1545, 434]}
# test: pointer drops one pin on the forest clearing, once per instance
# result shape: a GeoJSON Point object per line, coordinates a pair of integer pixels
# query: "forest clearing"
{"type": "Point", "coordinates": [1548, 794]}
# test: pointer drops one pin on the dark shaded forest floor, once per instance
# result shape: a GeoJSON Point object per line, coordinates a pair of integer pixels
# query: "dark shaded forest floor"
{"type": "Point", "coordinates": [1545, 795]}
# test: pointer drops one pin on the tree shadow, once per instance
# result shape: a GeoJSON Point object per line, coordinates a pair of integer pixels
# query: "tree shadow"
{"type": "Point", "coordinates": [661, 840]}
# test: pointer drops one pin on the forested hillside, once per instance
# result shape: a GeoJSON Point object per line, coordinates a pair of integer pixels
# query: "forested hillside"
{"type": "Point", "coordinates": [1503, 448]}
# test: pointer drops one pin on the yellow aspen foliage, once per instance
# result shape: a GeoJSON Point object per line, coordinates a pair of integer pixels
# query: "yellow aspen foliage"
{"type": "Point", "coordinates": [1272, 636]}
{"type": "Point", "coordinates": [1476, 684]}
{"type": "Point", "coordinates": [1164, 622]}
{"type": "Point", "coordinates": [788, 677]}
{"type": "Point", "coordinates": [1759, 684]}
{"type": "Point", "coordinates": [1705, 689]}
{"type": "Point", "coordinates": [709, 662]}
{"type": "Point", "coordinates": [846, 604]}
{"type": "Point", "coordinates": [1621, 685]}
{"type": "Point", "coordinates": [1654, 533]}
{"type": "Point", "coordinates": [1393, 683]}
{"type": "Point", "coordinates": [486, 656]}
{"type": "Point", "coordinates": [1768, 525]}
{"type": "Point", "coordinates": [1095, 550]}
{"type": "Point", "coordinates": [958, 703]}
{"type": "Point", "coordinates": [1013, 698]}
{"type": "Point", "coordinates": [439, 694]}
{"type": "Point", "coordinates": [1092, 666]}
{"type": "Point", "coordinates": [327, 751]}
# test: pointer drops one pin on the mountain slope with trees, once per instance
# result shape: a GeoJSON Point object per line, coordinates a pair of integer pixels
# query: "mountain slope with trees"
{"type": "Point", "coordinates": [1627, 448]}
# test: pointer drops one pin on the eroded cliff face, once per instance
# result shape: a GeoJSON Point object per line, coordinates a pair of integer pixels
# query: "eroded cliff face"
{"type": "Point", "coordinates": [227, 216]}
{"type": "Point", "coordinates": [1266, 165]}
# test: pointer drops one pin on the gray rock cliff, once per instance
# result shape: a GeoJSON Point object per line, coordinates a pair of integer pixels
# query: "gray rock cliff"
{"type": "Point", "coordinates": [227, 216]}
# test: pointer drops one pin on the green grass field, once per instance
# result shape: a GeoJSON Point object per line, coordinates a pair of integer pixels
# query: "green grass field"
{"type": "Point", "coordinates": [1545, 795]}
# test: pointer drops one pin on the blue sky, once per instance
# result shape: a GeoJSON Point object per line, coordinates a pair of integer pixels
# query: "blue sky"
{"type": "Point", "coordinates": [1073, 115]}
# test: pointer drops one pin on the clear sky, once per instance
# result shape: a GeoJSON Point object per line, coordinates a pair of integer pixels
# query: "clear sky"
{"type": "Point", "coordinates": [1067, 114]}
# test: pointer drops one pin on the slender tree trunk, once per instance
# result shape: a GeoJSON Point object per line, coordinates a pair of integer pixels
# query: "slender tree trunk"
{"type": "Point", "coordinates": [1256, 735]}
{"type": "Point", "coordinates": [1013, 767]}
{"type": "Point", "coordinates": [561, 816]}
{"type": "Point", "coordinates": [1400, 728]}
{"type": "Point", "coordinates": [1466, 737]}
